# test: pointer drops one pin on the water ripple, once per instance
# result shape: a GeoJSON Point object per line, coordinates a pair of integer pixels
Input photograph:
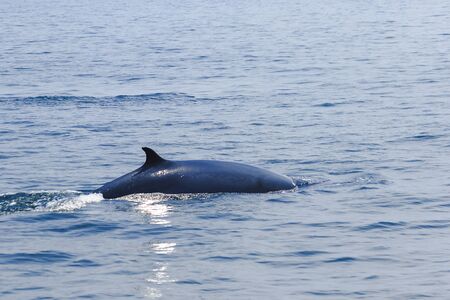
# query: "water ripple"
{"type": "Point", "coordinates": [383, 225]}
{"type": "Point", "coordinates": [350, 98]}
{"type": "Point", "coordinates": [42, 257]}
{"type": "Point", "coordinates": [110, 100]}
{"type": "Point", "coordinates": [307, 253]}
{"type": "Point", "coordinates": [344, 259]}
{"type": "Point", "coordinates": [85, 228]}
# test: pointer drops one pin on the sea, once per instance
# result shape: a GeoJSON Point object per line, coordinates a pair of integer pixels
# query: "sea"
{"type": "Point", "coordinates": [349, 98]}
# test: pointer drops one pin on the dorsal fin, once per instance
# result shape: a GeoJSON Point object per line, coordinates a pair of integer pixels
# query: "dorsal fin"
{"type": "Point", "coordinates": [152, 157]}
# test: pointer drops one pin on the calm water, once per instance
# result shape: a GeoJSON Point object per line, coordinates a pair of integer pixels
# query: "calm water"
{"type": "Point", "coordinates": [351, 99]}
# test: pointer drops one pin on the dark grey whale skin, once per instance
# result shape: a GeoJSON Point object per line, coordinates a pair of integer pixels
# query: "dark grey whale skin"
{"type": "Point", "coordinates": [158, 175]}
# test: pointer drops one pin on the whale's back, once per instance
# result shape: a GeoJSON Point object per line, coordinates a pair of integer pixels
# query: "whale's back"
{"type": "Point", "coordinates": [158, 175]}
{"type": "Point", "coordinates": [208, 176]}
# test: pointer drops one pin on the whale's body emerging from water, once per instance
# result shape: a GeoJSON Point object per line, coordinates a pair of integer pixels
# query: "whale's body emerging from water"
{"type": "Point", "coordinates": [158, 175]}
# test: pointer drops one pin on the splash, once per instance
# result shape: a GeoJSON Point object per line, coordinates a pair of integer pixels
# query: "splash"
{"type": "Point", "coordinates": [74, 203]}
{"type": "Point", "coordinates": [46, 201]}
{"type": "Point", "coordinates": [301, 181]}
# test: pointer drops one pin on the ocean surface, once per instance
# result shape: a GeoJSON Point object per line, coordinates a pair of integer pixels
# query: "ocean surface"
{"type": "Point", "coordinates": [349, 98]}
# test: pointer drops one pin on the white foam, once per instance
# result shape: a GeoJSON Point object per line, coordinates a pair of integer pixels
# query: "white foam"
{"type": "Point", "coordinates": [157, 197]}
{"type": "Point", "coordinates": [73, 203]}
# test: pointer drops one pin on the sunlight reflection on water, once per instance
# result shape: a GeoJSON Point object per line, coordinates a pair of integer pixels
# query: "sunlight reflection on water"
{"type": "Point", "coordinates": [350, 99]}
{"type": "Point", "coordinates": [153, 206]}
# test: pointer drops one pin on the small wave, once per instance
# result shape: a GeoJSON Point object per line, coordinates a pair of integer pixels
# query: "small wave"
{"type": "Point", "coordinates": [280, 200]}
{"type": "Point", "coordinates": [383, 225]}
{"type": "Point", "coordinates": [42, 257]}
{"type": "Point", "coordinates": [423, 137]}
{"type": "Point", "coordinates": [224, 258]}
{"type": "Point", "coordinates": [420, 137]}
{"type": "Point", "coordinates": [344, 259]}
{"type": "Point", "coordinates": [433, 224]}
{"type": "Point", "coordinates": [364, 180]}
{"type": "Point", "coordinates": [83, 263]}
{"type": "Point", "coordinates": [46, 100]}
{"type": "Point", "coordinates": [307, 253]}
{"type": "Point", "coordinates": [188, 281]}
{"type": "Point", "coordinates": [84, 228]}
{"type": "Point", "coordinates": [46, 201]}
{"type": "Point", "coordinates": [326, 104]}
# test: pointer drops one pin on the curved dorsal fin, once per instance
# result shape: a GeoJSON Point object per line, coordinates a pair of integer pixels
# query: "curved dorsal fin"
{"type": "Point", "coordinates": [152, 157]}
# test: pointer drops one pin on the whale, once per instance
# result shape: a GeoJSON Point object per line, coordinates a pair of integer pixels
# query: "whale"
{"type": "Point", "coordinates": [159, 175]}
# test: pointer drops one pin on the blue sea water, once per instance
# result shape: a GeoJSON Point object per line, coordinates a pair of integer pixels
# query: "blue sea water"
{"type": "Point", "coordinates": [350, 98]}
